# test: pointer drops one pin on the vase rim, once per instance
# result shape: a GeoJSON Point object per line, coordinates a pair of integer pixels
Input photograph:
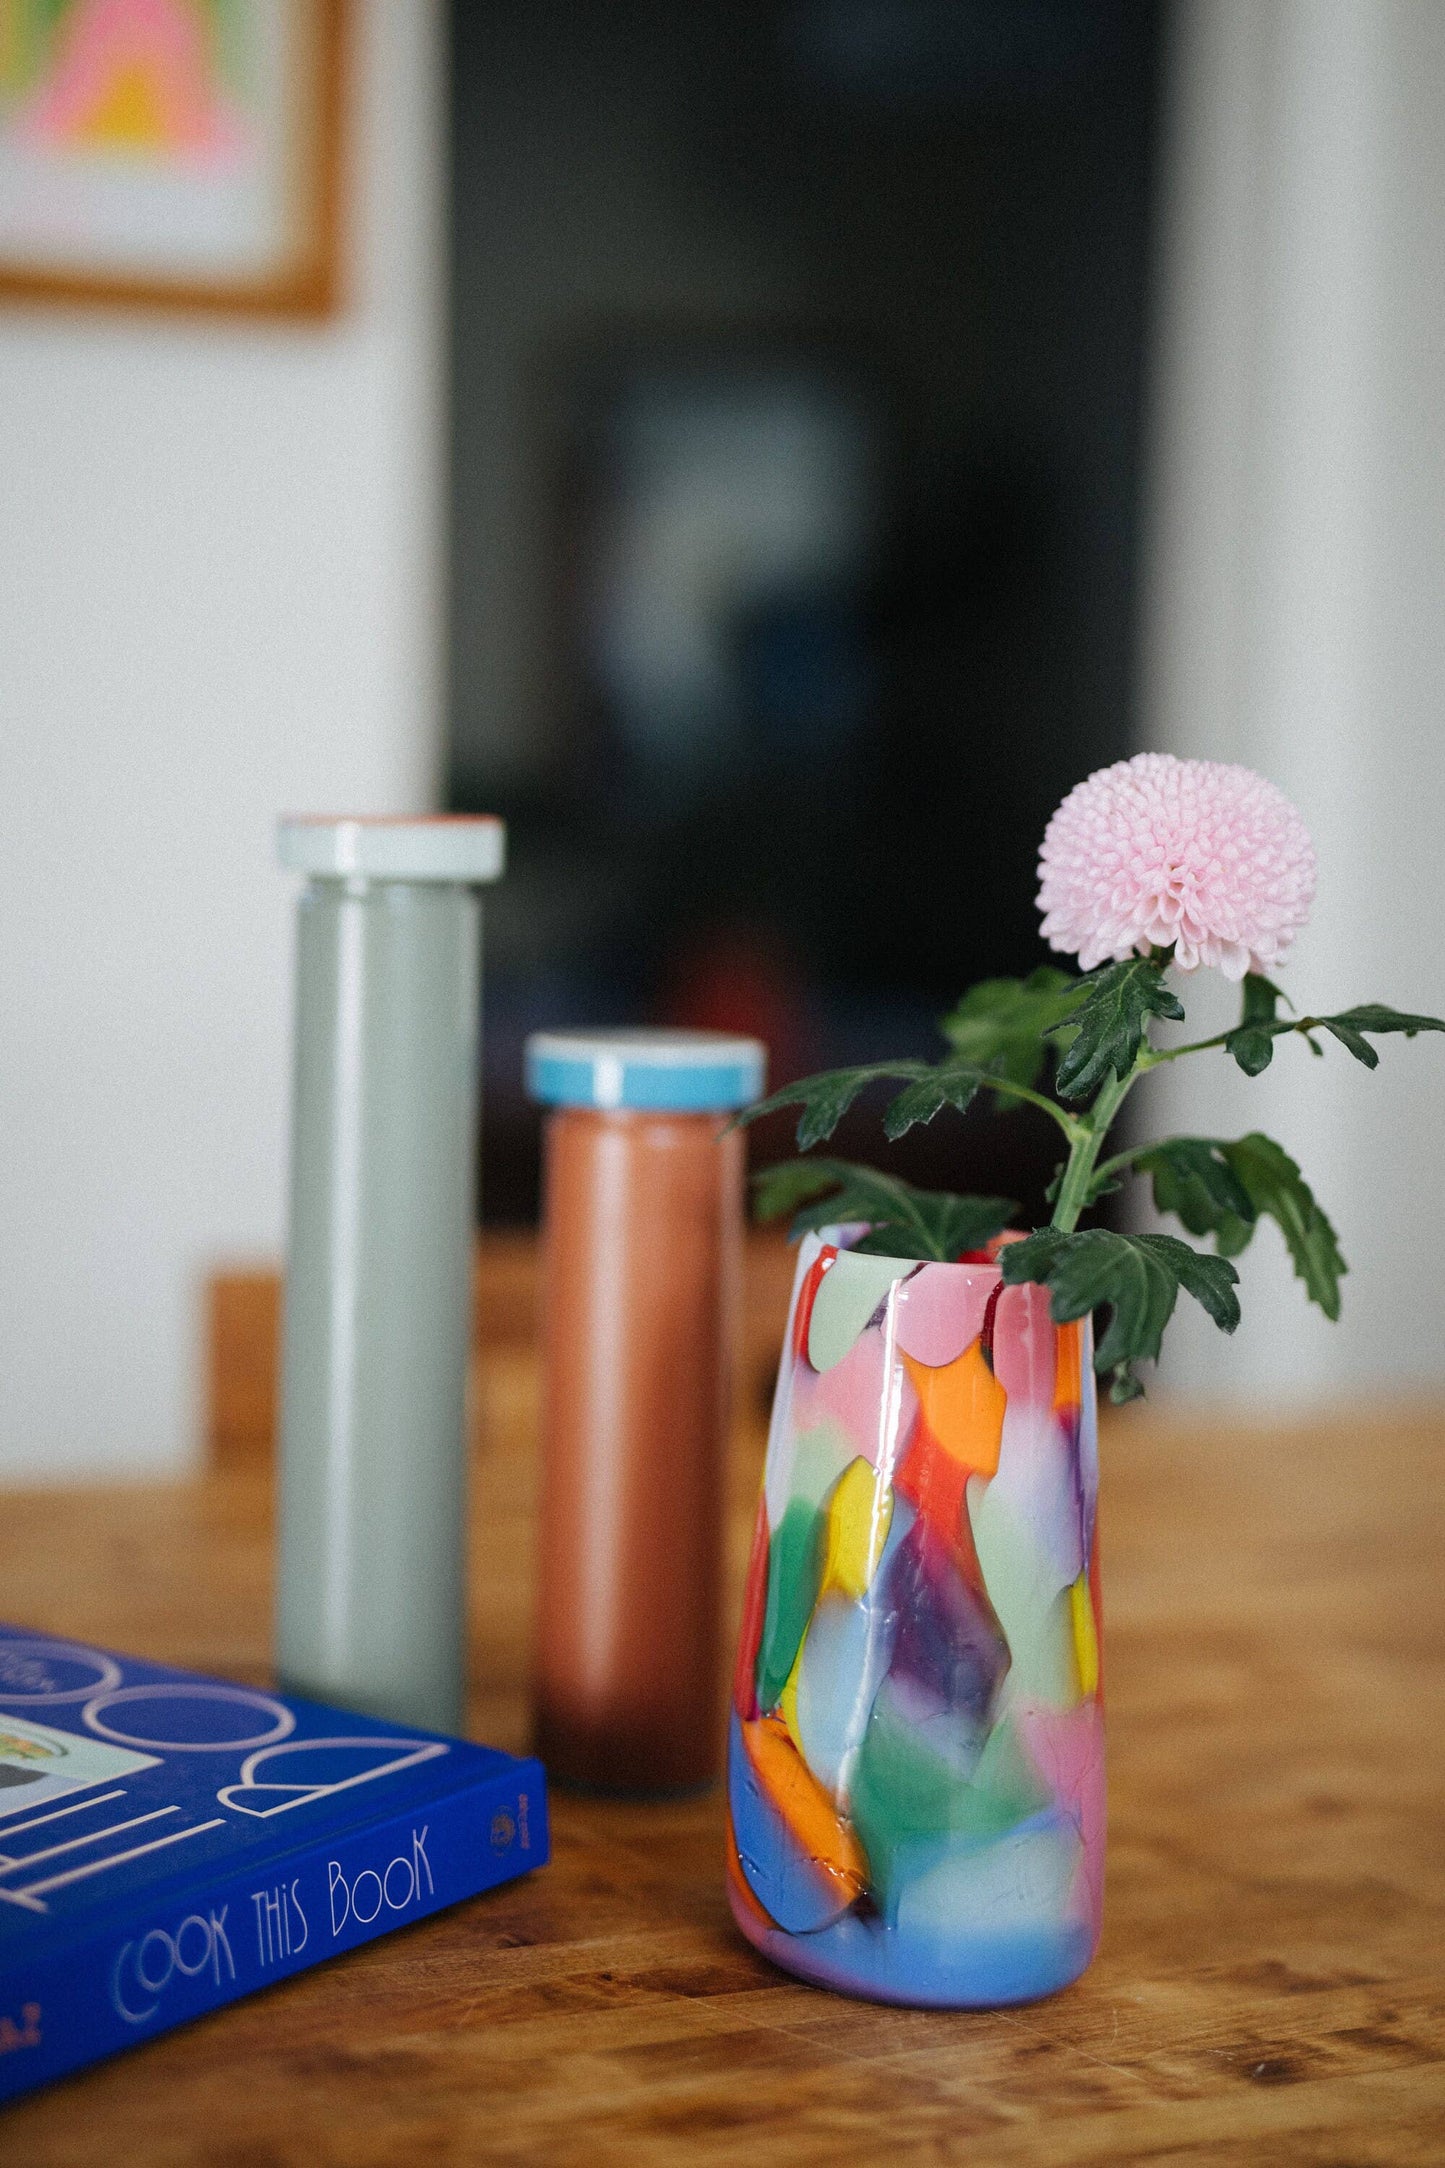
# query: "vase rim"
{"type": "Point", "coordinates": [827, 1237]}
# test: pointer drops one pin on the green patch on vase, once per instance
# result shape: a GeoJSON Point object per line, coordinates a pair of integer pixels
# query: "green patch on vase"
{"type": "Point", "coordinates": [850, 1292]}
{"type": "Point", "coordinates": [1034, 1611]}
{"type": "Point", "coordinates": [795, 1566]}
{"type": "Point", "coordinates": [906, 1795]}
{"type": "Point", "coordinates": [819, 1459]}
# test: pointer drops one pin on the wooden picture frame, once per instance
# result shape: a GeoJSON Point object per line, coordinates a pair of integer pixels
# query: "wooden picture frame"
{"type": "Point", "coordinates": [174, 154]}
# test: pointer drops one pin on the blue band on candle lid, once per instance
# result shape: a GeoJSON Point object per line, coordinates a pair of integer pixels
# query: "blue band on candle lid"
{"type": "Point", "coordinates": [659, 1072]}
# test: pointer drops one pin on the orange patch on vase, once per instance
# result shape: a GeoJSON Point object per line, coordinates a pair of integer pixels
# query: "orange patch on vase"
{"type": "Point", "coordinates": [962, 1405]}
{"type": "Point", "coordinates": [936, 1486]}
{"type": "Point", "coordinates": [931, 1479]}
{"type": "Point", "coordinates": [806, 1809]}
{"type": "Point", "coordinates": [1068, 1368]}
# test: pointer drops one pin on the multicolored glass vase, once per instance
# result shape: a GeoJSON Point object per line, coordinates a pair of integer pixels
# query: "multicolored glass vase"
{"type": "Point", "coordinates": [916, 1752]}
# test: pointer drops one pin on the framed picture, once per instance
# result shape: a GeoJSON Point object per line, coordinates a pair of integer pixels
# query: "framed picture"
{"type": "Point", "coordinates": [181, 153]}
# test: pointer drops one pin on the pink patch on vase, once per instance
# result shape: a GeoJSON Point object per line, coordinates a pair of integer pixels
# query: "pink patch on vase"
{"type": "Point", "coordinates": [941, 1309]}
{"type": "Point", "coordinates": [852, 1393]}
{"type": "Point", "coordinates": [1024, 1355]}
{"type": "Point", "coordinates": [1066, 1747]}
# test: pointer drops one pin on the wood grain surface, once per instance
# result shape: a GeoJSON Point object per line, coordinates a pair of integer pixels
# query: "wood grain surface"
{"type": "Point", "coordinates": [1271, 1987]}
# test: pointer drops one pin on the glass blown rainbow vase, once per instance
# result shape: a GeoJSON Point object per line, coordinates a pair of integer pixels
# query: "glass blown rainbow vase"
{"type": "Point", "coordinates": [916, 1750]}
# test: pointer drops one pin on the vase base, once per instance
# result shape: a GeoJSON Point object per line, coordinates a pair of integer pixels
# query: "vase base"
{"type": "Point", "coordinates": [862, 1958]}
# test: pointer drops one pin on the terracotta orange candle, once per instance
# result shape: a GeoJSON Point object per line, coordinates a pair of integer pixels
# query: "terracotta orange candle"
{"type": "Point", "coordinates": [641, 1255]}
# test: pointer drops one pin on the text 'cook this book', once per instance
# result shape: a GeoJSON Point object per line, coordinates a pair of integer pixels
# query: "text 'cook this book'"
{"type": "Point", "coordinates": [170, 1842]}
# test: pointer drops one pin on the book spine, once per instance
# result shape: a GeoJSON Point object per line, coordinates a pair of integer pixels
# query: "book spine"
{"type": "Point", "coordinates": [180, 1956]}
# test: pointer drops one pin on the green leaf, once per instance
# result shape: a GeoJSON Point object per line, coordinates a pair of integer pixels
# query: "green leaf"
{"type": "Point", "coordinates": [1259, 999]}
{"type": "Point", "coordinates": [792, 1182]}
{"type": "Point", "coordinates": [951, 1084]}
{"type": "Point", "coordinates": [1347, 1035]}
{"type": "Point", "coordinates": [954, 1225]}
{"type": "Point", "coordinates": [1224, 1189]}
{"type": "Point", "coordinates": [902, 1221]}
{"type": "Point", "coordinates": [1277, 1187]}
{"type": "Point", "coordinates": [1193, 1178]}
{"type": "Point", "coordinates": [1350, 1025]}
{"type": "Point", "coordinates": [826, 1098]}
{"type": "Point", "coordinates": [1210, 1280]}
{"type": "Point", "coordinates": [1112, 1021]}
{"type": "Point", "coordinates": [1002, 1025]}
{"type": "Point", "coordinates": [1378, 1016]}
{"type": "Point", "coordinates": [1252, 1040]}
{"type": "Point", "coordinates": [1253, 1049]}
{"type": "Point", "coordinates": [1139, 1276]}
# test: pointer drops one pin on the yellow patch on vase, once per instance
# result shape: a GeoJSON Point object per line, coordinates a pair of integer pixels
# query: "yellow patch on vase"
{"type": "Point", "coordinates": [1086, 1637]}
{"type": "Point", "coordinates": [788, 1699]}
{"type": "Point", "coordinates": [859, 1512]}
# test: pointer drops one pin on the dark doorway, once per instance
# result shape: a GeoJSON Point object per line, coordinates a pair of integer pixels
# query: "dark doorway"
{"type": "Point", "coordinates": [796, 370]}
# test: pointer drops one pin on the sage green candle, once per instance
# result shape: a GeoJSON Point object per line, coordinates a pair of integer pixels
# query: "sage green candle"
{"type": "Point", "coordinates": [371, 1578]}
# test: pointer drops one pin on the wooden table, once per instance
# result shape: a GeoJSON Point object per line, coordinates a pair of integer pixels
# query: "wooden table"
{"type": "Point", "coordinates": [1271, 1987]}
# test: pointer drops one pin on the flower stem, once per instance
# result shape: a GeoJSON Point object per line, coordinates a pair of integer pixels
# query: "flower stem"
{"type": "Point", "coordinates": [1093, 1128]}
{"type": "Point", "coordinates": [1074, 1126]}
{"type": "Point", "coordinates": [1121, 1161]}
{"type": "Point", "coordinates": [1150, 1057]}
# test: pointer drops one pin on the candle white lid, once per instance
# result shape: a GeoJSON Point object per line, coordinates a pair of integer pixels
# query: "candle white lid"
{"type": "Point", "coordinates": [388, 847]}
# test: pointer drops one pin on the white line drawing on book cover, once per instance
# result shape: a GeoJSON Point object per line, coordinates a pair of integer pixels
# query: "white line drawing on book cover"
{"type": "Point", "coordinates": [160, 1956]}
{"type": "Point", "coordinates": [30, 1896]}
{"type": "Point", "coordinates": [24, 1677]}
{"type": "Point", "coordinates": [81, 1806]}
{"type": "Point", "coordinates": [405, 1754]}
{"type": "Point", "coordinates": [283, 1720]}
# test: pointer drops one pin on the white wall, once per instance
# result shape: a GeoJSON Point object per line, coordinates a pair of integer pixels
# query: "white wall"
{"type": "Point", "coordinates": [219, 580]}
{"type": "Point", "coordinates": [1296, 597]}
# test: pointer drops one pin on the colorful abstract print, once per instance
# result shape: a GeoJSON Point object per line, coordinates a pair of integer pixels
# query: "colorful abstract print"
{"type": "Point", "coordinates": [916, 1758]}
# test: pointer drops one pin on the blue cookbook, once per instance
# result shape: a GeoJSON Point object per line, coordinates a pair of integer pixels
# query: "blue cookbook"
{"type": "Point", "coordinates": [169, 1842]}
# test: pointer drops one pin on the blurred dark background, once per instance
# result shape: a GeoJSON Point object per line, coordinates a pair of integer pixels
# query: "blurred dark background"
{"type": "Point", "coordinates": [796, 361]}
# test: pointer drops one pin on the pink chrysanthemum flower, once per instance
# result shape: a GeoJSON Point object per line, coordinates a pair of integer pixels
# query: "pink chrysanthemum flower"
{"type": "Point", "coordinates": [1156, 852]}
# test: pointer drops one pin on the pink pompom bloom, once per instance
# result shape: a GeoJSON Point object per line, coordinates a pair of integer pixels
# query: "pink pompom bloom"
{"type": "Point", "coordinates": [1197, 855]}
